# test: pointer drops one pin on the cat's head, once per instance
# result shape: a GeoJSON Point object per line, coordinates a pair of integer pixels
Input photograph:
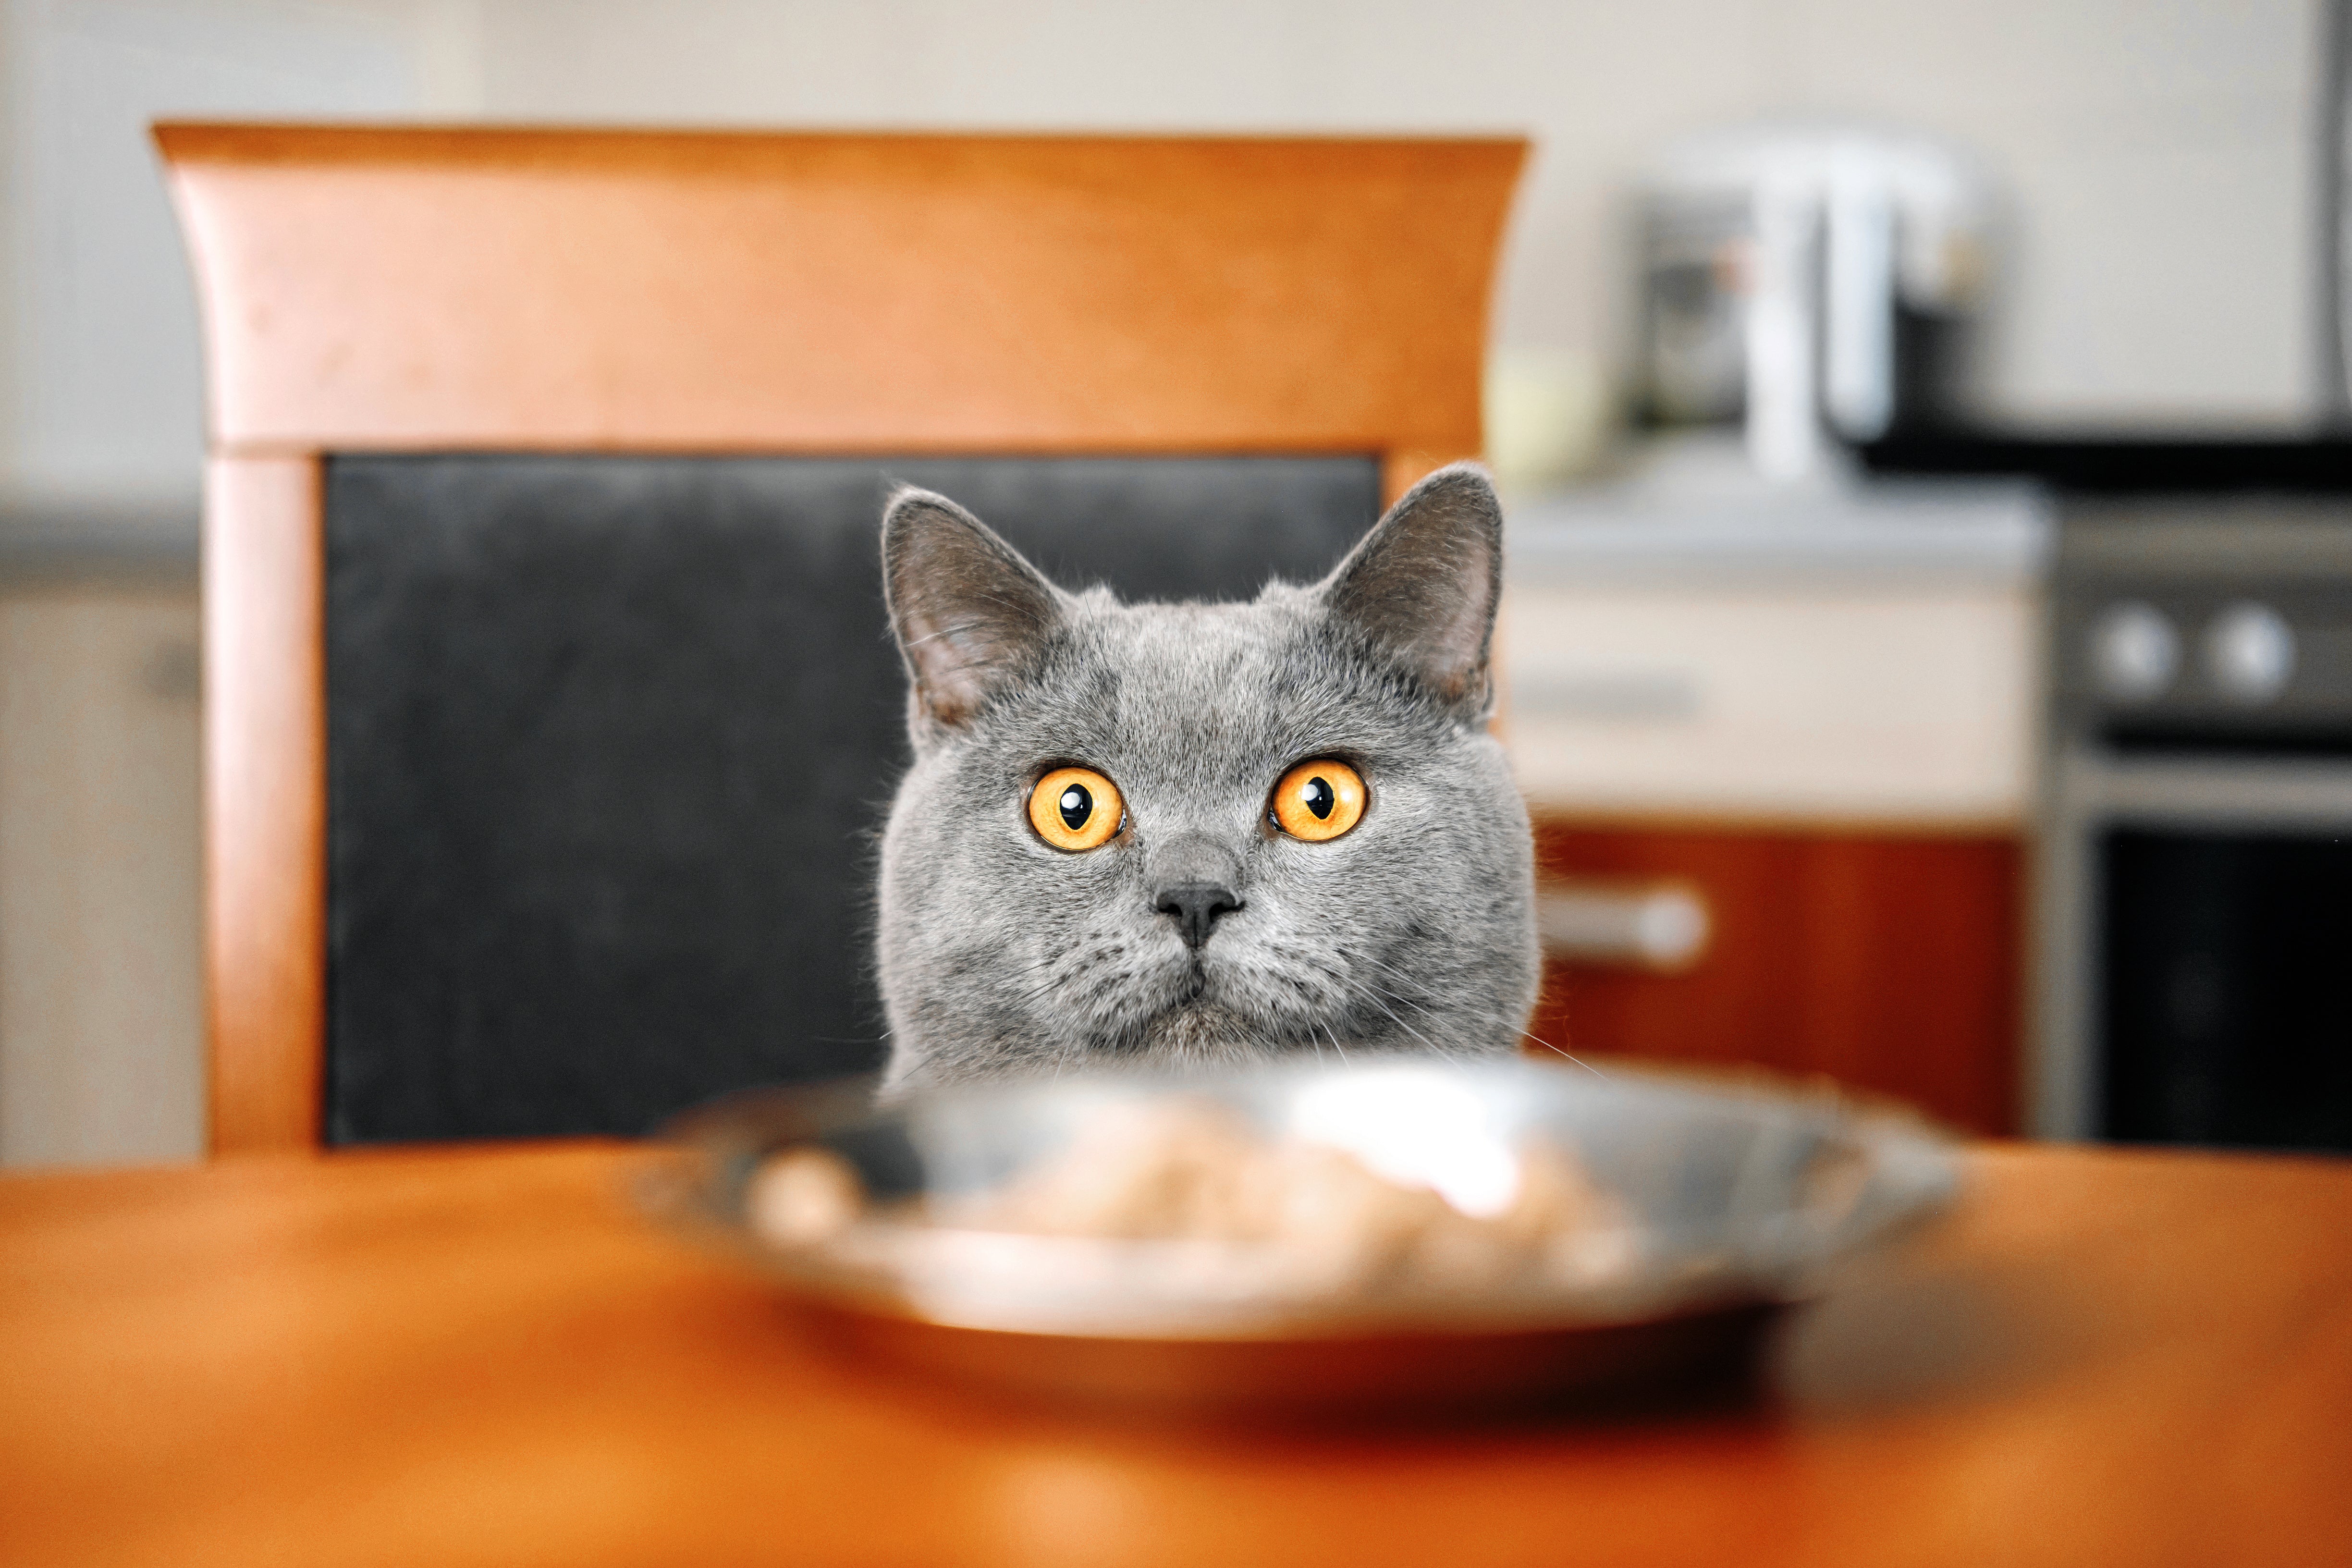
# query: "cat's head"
{"type": "Point", "coordinates": [1194, 833]}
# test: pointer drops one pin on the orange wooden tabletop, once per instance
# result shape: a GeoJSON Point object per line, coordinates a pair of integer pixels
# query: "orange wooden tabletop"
{"type": "Point", "coordinates": [483, 1356]}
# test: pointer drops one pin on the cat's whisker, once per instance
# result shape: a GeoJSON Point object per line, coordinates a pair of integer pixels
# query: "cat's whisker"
{"type": "Point", "coordinates": [1389, 970]}
{"type": "Point", "coordinates": [1064, 970]}
{"type": "Point", "coordinates": [1028, 969]}
{"type": "Point", "coordinates": [1497, 1017]}
{"type": "Point", "coordinates": [1417, 1004]}
{"type": "Point", "coordinates": [1025, 997]}
{"type": "Point", "coordinates": [1571, 1055]}
{"type": "Point", "coordinates": [1375, 997]}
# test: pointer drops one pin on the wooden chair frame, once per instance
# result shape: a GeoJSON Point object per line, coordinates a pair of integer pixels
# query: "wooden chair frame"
{"type": "Point", "coordinates": [444, 289]}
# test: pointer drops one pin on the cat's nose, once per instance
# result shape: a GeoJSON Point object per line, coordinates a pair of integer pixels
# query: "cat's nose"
{"type": "Point", "coordinates": [1196, 906]}
{"type": "Point", "coordinates": [1192, 877]}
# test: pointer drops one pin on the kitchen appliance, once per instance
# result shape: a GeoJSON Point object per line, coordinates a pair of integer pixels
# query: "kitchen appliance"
{"type": "Point", "coordinates": [1810, 283]}
{"type": "Point", "coordinates": [2195, 888]}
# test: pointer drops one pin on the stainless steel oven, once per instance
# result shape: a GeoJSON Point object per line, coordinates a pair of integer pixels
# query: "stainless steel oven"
{"type": "Point", "coordinates": [2194, 887]}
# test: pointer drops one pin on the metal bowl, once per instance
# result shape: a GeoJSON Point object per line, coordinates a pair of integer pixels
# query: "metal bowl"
{"type": "Point", "coordinates": [1731, 1204]}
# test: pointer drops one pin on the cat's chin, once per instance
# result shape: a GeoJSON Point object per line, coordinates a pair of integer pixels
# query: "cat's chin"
{"type": "Point", "coordinates": [1199, 1029]}
{"type": "Point", "coordinates": [1201, 1018]}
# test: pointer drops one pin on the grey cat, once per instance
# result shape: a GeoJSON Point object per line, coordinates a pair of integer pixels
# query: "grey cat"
{"type": "Point", "coordinates": [1107, 849]}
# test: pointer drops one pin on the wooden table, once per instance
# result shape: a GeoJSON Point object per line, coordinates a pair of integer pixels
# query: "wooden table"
{"type": "Point", "coordinates": [482, 1356]}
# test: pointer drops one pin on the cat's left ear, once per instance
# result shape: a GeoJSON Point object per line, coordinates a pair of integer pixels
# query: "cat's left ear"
{"type": "Point", "coordinates": [1422, 585]}
{"type": "Point", "coordinates": [971, 614]}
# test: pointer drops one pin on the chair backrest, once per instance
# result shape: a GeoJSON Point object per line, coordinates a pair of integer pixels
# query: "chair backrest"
{"type": "Point", "coordinates": [547, 709]}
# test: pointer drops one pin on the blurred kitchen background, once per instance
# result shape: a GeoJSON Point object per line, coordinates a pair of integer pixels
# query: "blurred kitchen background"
{"type": "Point", "coordinates": [1929, 634]}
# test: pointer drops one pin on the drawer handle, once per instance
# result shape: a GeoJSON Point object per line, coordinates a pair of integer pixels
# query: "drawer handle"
{"type": "Point", "coordinates": [1660, 926]}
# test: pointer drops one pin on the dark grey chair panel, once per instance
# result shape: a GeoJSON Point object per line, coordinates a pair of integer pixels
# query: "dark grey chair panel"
{"type": "Point", "coordinates": [609, 739]}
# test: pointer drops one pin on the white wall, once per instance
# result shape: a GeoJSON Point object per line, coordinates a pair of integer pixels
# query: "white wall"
{"type": "Point", "coordinates": [2158, 152]}
{"type": "Point", "coordinates": [101, 397]}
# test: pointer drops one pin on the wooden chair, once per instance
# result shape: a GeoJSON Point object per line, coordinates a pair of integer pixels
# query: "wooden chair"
{"type": "Point", "coordinates": [503, 340]}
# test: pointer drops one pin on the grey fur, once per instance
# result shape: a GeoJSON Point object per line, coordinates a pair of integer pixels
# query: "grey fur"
{"type": "Point", "coordinates": [1414, 932]}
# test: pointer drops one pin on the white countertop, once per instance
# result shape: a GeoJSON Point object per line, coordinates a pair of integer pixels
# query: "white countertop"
{"type": "Point", "coordinates": [43, 538]}
{"type": "Point", "coordinates": [1693, 510]}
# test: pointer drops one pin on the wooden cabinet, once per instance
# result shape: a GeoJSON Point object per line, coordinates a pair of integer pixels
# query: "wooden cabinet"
{"type": "Point", "coordinates": [1886, 961]}
{"type": "Point", "coordinates": [101, 1029]}
{"type": "Point", "coordinates": [1805, 728]}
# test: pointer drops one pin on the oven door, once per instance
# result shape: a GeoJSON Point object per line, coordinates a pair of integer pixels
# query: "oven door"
{"type": "Point", "coordinates": [2208, 942]}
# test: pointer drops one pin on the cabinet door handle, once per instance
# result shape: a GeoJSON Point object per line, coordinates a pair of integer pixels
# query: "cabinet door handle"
{"type": "Point", "coordinates": [1660, 926]}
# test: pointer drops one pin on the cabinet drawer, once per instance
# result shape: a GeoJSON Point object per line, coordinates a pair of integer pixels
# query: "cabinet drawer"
{"type": "Point", "coordinates": [1895, 706]}
{"type": "Point", "coordinates": [1888, 962]}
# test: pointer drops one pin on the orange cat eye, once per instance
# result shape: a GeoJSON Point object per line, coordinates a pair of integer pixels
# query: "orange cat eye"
{"type": "Point", "coordinates": [1076, 809]}
{"type": "Point", "coordinates": [1318, 800]}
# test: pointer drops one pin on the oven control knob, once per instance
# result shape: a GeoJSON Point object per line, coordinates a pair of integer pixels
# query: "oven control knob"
{"type": "Point", "coordinates": [2134, 652]}
{"type": "Point", "coordinates": [2249, 652]}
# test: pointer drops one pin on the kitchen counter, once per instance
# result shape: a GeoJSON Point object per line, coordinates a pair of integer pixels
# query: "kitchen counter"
{"type": "Point", "coordinates": [1693, 643]}
{"type": "Point", "coordinates": [140, 541]}
{"type": "Point", "coordinates": [1693, 511]}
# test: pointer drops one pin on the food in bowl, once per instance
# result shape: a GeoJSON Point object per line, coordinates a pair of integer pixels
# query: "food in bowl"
{"type": "Point", "coordinates": [1190, 1243]}
{"type": "Point", "coordinates": [1287, 1215]}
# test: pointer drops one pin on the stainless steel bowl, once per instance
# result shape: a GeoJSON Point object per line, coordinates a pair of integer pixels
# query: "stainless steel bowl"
{"type": "Point", "coordinates": [1732, 1201]}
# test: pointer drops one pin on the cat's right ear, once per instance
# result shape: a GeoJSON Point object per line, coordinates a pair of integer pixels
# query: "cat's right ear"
{"type": "Point", "coordinates": [970, 614]}
{"type": "Point", "coordinates": [1421, 587]}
